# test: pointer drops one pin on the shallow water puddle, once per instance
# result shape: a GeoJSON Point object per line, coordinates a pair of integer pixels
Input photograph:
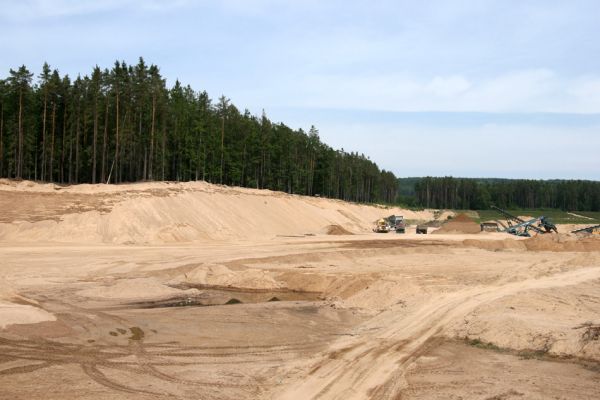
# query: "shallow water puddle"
{"type": "Point", "coordinates": [212, 296]}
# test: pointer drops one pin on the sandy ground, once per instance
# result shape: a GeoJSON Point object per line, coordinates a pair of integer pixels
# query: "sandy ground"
{"type": "Point", "coordinates": [162, 290]}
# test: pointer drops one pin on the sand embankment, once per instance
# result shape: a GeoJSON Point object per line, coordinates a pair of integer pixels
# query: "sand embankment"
{"type": "Point", "coordinates": [161, 212]}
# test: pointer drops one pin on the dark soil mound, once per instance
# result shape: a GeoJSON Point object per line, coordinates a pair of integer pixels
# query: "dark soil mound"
{"type": "Point", "coordinates": [460, 224]}
{"type": "Point", "coordinates": [337, 230]}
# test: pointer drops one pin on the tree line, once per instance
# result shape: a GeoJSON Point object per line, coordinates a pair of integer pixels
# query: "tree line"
{"type": "Point", "coordinates": [125, 125]}
{"type": "Point", "coordinates": [461, 193]}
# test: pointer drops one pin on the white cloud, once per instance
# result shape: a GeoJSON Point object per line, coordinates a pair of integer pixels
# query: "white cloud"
{"type": "Point", "coordinates": [447, 86]}
{"type": "Point", "coordinates": [477, 151]}
{"type": "Point", "coordinates": [537, 90]}
{"type": "Point", "coordinates": [586, 91]}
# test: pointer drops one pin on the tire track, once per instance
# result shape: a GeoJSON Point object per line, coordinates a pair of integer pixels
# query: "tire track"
{"type": "Point", "coordinates": [373, 365]}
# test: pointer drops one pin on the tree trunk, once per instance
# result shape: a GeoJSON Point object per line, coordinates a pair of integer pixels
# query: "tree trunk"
{"type": "Point", "coordinates": [71, 154]}
{"type": "Point", "coordinates": [164, 148]}
{"type": "Point", "coordinates": [150, 175]}
{"type": "Point", "coordinates": [62, 151]}
{"type": "Point", "coordinates": [104, 143]}
{"type": "Point", "coordinates": [51, 169]}
{"type": "Point", "coordinates": [133, 146]}
{"type": "Point", "coordinates": [77, 130]}
{"type": "Point", "coordinates": [95, 139]}
{"type": "Point", "coordinates": [122, 145]}
{"type": "Point", "coordinates": [145, 162]}
{"type": "Point", "coordinates": [222, 145]}
{"type": "Point", "coordinates": [44, 137]}
{"type": "Point", "coordinates": [116, 159]}
{"type": "Point", "coordinates": [2, 141]}
{"type": "Point", "coordinates": [204, 163]}
{"type": "Point", "coordinates": [19, 172]}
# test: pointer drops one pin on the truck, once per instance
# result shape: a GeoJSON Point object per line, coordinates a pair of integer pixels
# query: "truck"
{"type": "Point", "coordinates": [381, 226]}
{"type": "Point", "coordinates": [396, 222]}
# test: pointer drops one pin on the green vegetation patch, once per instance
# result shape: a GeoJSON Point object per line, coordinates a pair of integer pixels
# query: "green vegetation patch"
{"type": "Point", "coordinates": [557, 216]}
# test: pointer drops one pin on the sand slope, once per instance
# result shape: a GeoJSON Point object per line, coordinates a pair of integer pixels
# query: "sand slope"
{"type": "Point", "coordinates": [161, 212]}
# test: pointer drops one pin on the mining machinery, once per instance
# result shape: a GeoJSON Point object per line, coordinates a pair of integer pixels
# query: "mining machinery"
{"type": "Point", "coordinates": [594, 230]}
{"type": "Point", "coordinates": [519, 227]}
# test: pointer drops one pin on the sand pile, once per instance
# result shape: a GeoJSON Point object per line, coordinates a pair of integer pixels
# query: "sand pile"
{"type": "Point", "coordinates": [161, 212]}
{"type": "Point", "coordinates": [459, 224]}
{"type": "Point", "coordinates": [560, 242]}
{"type": "Point", "coordinates": [546, 242]}
{"type": "Point", "coordinates": [337, 230]}
{"type": "Point", "coordinates": [525, 322]}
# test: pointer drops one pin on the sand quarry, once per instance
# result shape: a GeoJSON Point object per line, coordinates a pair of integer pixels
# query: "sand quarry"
{"type": "Point", "coordinates": [197, 291]}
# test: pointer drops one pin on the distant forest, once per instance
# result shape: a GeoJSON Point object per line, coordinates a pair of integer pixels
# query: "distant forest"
{"type": "Point", "coordinates": [478, 194]}
{"type": "Point", "coordinates": [126, 125]}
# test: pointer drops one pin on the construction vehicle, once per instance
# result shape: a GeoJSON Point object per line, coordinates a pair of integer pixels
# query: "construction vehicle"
{"type": "Point", "coordinates": [489, 226]}
{"type": "Point", "coordinates": [396, 223]}
{"type": "Point", "coordinates": [519, 227]}
{"type": "Point", "coordinates": [594, 230]}
{"type": "Point", "coordinates": [422, 229]}
{"type": "Point", "coordinates": [381, 226]}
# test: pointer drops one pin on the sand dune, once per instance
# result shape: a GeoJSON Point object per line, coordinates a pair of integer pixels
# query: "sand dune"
{"type": "Point", "coordinates": [175, 212]}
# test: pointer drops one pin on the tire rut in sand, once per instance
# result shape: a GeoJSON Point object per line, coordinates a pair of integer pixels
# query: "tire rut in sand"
{"type": "Point", "coordinates": [147, 369]}
{"type": "Point", "coordinates": [373, 365]}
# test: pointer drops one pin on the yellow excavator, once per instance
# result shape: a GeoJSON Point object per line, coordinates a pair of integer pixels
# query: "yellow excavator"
{"type": "Point", "coordinates": [381, 226]}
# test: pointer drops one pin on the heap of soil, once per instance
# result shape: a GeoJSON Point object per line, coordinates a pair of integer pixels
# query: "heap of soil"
{"type": "Point", "coordinates": [554, 242]}
{"type": "Point", "coordinates": [337, 230]}
{"type": "Point", "coordinates": [168, 212]}
{"type": "Point", "coordinates": [459, 224]}
{"type": "Point", "coordinates": [548, 242]}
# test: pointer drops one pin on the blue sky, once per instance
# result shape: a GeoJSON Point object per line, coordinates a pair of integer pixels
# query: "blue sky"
{"type": "Point", "coordinates": [463, 88]}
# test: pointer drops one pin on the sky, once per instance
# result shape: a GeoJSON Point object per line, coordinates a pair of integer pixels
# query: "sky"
{"type": "Point", "coordinates": [481, 88]}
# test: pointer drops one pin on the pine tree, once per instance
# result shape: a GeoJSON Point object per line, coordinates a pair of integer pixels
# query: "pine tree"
{"type": "Point", "coordinates": [20, 83]}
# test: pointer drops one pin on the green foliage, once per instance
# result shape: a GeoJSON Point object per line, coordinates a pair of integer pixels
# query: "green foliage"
{"type": "Point", "coordinates": [483, 345]}
{"type": "Point", "coordinates": [556, 216]}
{"type": "Point", "coordinates": [476, 194]}
{"type": "Point", "coordinates": [126, 125]}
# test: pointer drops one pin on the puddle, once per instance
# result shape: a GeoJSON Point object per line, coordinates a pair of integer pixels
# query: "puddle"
{"type": "Point", "coordinates": [216, 296]}
{"type": "Point", "coordinates": [136, 333]}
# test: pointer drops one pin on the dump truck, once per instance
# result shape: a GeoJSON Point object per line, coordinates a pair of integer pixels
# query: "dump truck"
{"type": "Point", "coordinates": [489, 226]}
{"type": "Point", "coordinates": [396, 223]}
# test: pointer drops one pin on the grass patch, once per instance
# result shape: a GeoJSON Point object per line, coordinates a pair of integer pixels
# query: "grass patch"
{"type": "Point", "coordinates": [556, 216]}
{"type": "Point", "coordinates": [535, 355]}
{"type": "Point", "coordinates": [540, 355]}
{"type": "Point", "coordinates": [484, 345]}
